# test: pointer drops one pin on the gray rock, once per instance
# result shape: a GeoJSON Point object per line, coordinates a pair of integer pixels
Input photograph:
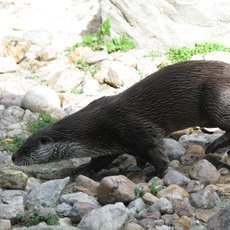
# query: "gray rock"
{"type": "Point", "coordinates": [173, 149]}
{"type": "Point", "coordinates": [220, 221]}
{"type": "Point", "coordinates": [149, 213]}
{"type": "Point", "coordinates": [196, 18]}
{"type": "Point", "coordinates": [13, 179]}
{"type": "Point", "coordinates": [8, 211]}
{"type": "Point", "coordinates": [205, 172]}
{"type": "Point", "coordinates": [5, 224]}
{"type": "Point", "coordinates": [64, 209]}
{"type": "Point", "coordinates": [41, 99]}
{"type": "Point", "coordinates": [78, 197]}
{"type": "Point", "coordinates": [175, 177]}
{"type": "Point", "coordinates": [163, 205]}
{"type": "Point", "coordinates": [47, 193]}
{"type": "Point", "coordinates": [115, 189]}
{"type": "Point", "coordinates": [204, 199]}
{"type": "Point", "coordinates": [136, 206]}
{"type": "Point", "coordinates": [113, 217]}
{"type": "Point", "coordinates": [32, 183]}
{"type": "Point", "coordinates": [12, 197]}
{"type": "Point", "coordinates": [9, 99]}
{"type": "Point", "coordinates": [133, 226]}
{"type": "Point", "coordinates": [182, 207]}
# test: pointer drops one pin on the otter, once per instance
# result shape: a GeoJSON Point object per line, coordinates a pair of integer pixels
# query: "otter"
{"type": "Point", "coordinates": [187, 94]}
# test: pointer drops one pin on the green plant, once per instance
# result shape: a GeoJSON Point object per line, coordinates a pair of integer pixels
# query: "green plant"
{"type": "Point", "coordinates": [78, 90]}
{"type": "Point", "coordinates": [90, 68]}
{"type": "Point", "coordinates": [184, 53]}
{"type": "Point", "coordinates": [34, 218]}
{"type": "Point", "coordinates": [154, 187]}
{"type": "Point", "coordinates": [139, 192]}
{"type": "Point", "coordinates": [102, 39]}
{"type": "Point", "coordinates": [42, 121]}
{"type": "Point", "coordinates": [11, 145]}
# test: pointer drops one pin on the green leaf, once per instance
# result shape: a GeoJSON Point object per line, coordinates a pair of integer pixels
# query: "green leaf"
{"type": "Point", "coordinates": [106, 27]}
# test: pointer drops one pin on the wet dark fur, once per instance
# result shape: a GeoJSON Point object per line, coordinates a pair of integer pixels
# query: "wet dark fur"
{"type": "Point", "coordinates": [193, 93]}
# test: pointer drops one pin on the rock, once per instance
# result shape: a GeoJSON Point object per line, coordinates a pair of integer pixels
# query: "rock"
{"type": "Point", "coordinates": [8, 211]}
{"type": "Point", "coordinates": [204, 199]}
{"type": "Point", "coordinates": [46, 211]}
{"type": "Point", "coordinates": [133, 226]}
{"type": "Point", "coordinates": [12, 197]}
{"type": "Point", "coordinates": [177, 134]}
{"type": "Point", "coordinates": [205, 172]}
{"type": "Point", "coordinates": [218, 56]}
{"type": "Point", "coordinates": [194, 186]}
{"type": "Point", "coordinates": [175, 177]}
{"type": "Point", "coordinates": [205, 215]}
{"type": "Point", "coordinates": [80, 54]}
{"type": "Point", "coordinates": [65, 80]}
{"type": "Point", "coordinates": [5, 224]}
{"type": "Point", "coordinates": [120, 75]}
{"type": "Point", "coordinates": [72, 198]}
{"type": "Point", "coordinates": [46, 54]}
{"type": "Point", "coordinates": [47, 193]}
{"type": "Point", "coordinates": [87, 183]}
{"type": "Point", "coordinates": [149, 213]}
{"type": "Point", "coordinates": [173, 149]}
{"type": "Point", "coordinates": [111, 216]}
{"type": "Point", "coordinates": [80, 209]}
{"type": "Point", "coordinates": [182, 207]}
{"type": "Point", "coordinates": [7, 64]}
{"type": "Point", "coordinates": [15, 47]}
{"type": "Point", "coordinates": [64, 209]}
{"type": "Point", "coordinates": [115, 189]}
{"type": "Point", "coordinates": [96, 57]}
{"type": "Point", "coordinates": [149, 198]}
{"type": "Point", "coordinates": [101, 75]}
{"type": "Point", "coordinates": [173, 192]}
{"type": "Point", "coordinates": [90, 85]}
{"type": "Point", "coordinates": [223, 189]}
{"type": "Point", "coordinates": [66, 223]}
{"type": "Point", "coordinates": [175, 164]}
{"type": "Point", "coordinates": [163, 205]}
{"type": "Point", "coordinates": [13, 179]}
{"type": "Point", "coordinates": [129, 58]}
{"type": "Point", "coordinates": [32, 183]}
{"type": "Point", "coordinates": [183, 223]}
{"type": "Point", "coordinates": [38, 37]}
{"type": "Point", "coordinates": [9, 99]}
{"type": "Point", "coordinates": [220, 221]}
{"type": "Point", "coordinates": [41, 98]}
{"type": "Point", "coordinates": [192, 155]}
{"type": "Point", "coordinates": [169, 219]}
{"type": "Point", "coordinates": [136, 206]}
{"type": "Point", "coordinates": [194, 17]}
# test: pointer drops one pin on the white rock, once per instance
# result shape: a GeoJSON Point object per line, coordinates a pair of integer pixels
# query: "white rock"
{"type": "Point", "coordinates": [90, 85]}
{"type": "Point", "coordinates": [218, 56]}
{"type": "Point", "coordinates": [41, 98]}
{"type": "Point", "coordinates": [7, 64]}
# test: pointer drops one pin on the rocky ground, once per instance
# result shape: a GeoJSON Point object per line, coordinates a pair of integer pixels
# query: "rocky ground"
{"type": "Point", "coordinates": [38, 73]}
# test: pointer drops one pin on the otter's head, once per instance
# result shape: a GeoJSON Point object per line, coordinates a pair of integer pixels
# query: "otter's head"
{"type": "Point", "coordinates": [42, 147]}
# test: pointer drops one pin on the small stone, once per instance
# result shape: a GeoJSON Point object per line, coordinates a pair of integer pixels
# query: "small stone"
{"type": "Point", "coordinates": [115, 188]}
{"type": "Point", "coordinates": [133, 226]}
{"type": "Point", "coordinates": [175, 164]}
{"type": "Point", "coordinates": [9, 99]}
{"type": "Point", "coordinates": [149, 213]}
{"type": "Point", "coordinates": [173, 192]}
{"type": "Point", "coordinates": [120, 75]}
{"type": "Point", "coordinates": [177, 134]}
{"type": "Point", "coordinates": [41, 98]}
{"type": "Point", "coordinates": [66, 80]}
{"type": "Point", "coordinates": [192, 155]}
{"type": "Point", "coordinates": [163, 205]}
{"type": "Point", "coordinates": [149, 198]}
{"type": "Point", "coordinates": [32, 183]}
{"type": "Point", "coordinates": [182, 207]}
{"type": "Point", "coordinates": [172, 149]}
{"type": "Point", "coordinates": [47, 193]}
{"type": "Point", "coordinates": [183, 223]}
{"type": "Point", "coordinates": [88, 183]}
{"type": "Point", "coordinates": [8, 211]}
{"type": "Point", "coordinates": [7, 64]}
{"type": "Point", "coordinates": [205, 172]}
{"type": "Point", "coordinates": [90, 85]}
{"type": "Point", "coordinates": [96, 57]}
{"type": "Point", "coordinates": [205, 215]}
{"type": "Point", "coordinates": [223, 189]}
{"type": "Point", "coordinates": [13, 179]}
{"type": "Point", "coordinates": [220, 220]}
{"type": "Point", "coordinates": [170, 219]}
{"type": "Point", "coordinates": [12, 197]}
{"type": "Point", "coordinates": [80, 54]}
{"type": "Point", "coordinates": [194, 186]}
{"type": "Point", "coordinates": [204, 199]}
{"type": "Point", "coordinates": [46, 54]}
{"type": "Point", "coordinates": [224, 171]}
{"type": "Point", "coordinates": [136, 206]}
{"type": "Point", "coordinates": [72, 198]}
{"type": "Point", "coordinates": [175, 177]}
{"type": "Point", "coordinates": [111, 216]}
{"type": "Point", "coordinates": [43, 212]}
{"type": "Point", "coordinates": [64, 209]}
{"type": "Point", "coordinates": [5, 224]}
{"type": "Point", "coordinates": [66, 223]}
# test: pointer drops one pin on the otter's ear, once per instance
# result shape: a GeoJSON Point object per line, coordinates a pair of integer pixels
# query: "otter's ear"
{"type": "Point", "coordinates": [45, 140]}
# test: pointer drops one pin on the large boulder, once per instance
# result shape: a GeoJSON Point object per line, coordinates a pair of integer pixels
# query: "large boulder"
{"type": "Point", "coordinates": [162, 23]}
